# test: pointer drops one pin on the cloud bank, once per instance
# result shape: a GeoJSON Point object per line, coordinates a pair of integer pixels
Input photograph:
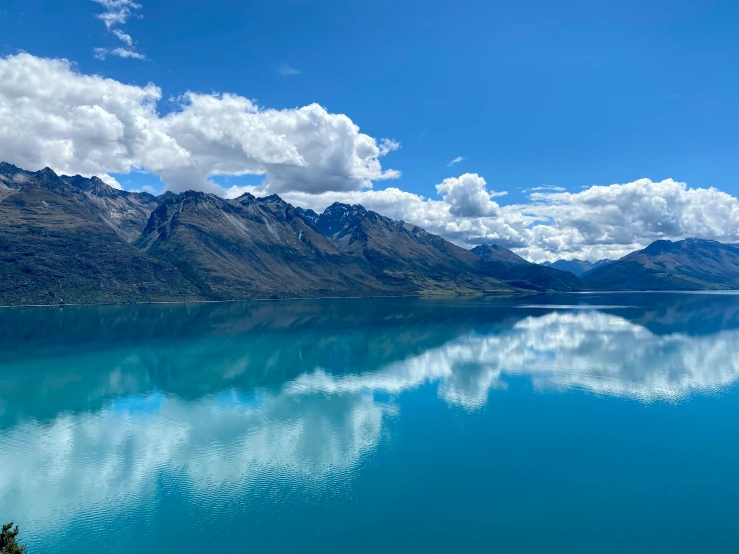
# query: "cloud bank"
{"type": "Point", "coordinates": [599, 222]}
{"type": "Point", "coordinates": [53, 115]}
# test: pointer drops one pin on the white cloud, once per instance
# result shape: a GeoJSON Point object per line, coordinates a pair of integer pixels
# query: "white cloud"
{"type": "Point", "coordinates": [102, 53]}
{"type": "Point", "coordinates": [599, 222]}
{"type": "Point", "coordinates": [126, 38]}
{"type": "Point", "coordinates": [387, 146]}
{"type": "Point", "coordinates": [287, 70]}
{"type": "Point", "coordinates": [546, 188]}
{"type": "Point", "coordinates": [456, 161]}
{"type": "Point", "coordinates": [110, 181]}
{"type": "Point", "coordinates": [610, 221]}
{"type": "Point", "coordinates": [467, 196]}
{"type": "Point", "coordinates": [54, 116]}
{"type": "Point", "coordinates": [118, 12]}
{"type": "Point", "coordinates": [127, 53]}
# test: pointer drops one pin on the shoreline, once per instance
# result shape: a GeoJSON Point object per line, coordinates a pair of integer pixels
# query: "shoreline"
{"type": "Point", "coordinates": [291, 298]}
{"type": "Point", "coordinates": [426, 296]}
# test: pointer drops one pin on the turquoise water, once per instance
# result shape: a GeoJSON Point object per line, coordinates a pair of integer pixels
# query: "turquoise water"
{"type": "Point", "coordinates": [569, 423]}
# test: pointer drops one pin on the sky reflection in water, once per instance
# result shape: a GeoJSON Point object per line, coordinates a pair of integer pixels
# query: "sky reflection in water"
{"type": "Point", "coordinates": [104, 409]}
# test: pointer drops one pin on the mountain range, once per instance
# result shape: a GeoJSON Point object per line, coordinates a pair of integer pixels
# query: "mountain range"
{"type": "Point", "coordinates": [74, 239]}
{"type": "Point", "coordinates": [77, 240]}
{"type": "Point", "coordinates": [576, 267]}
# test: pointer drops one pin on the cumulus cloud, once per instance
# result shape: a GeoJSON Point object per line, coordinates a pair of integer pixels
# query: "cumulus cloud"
{"type": "Point", "coordinates": [599, 222]}
{"type": "Point", "coordinates": [54, 116]}
{"type": "Point", "coordinates": [110, 181]}
{"type": "Point", "coordinates": [118, 12]}
{"type": "Point", "coordinates": [610, 221]}
{"type": "Point", "coordinates": [467, 196]}
{"type": "Point", "coordinates": [456, 161]}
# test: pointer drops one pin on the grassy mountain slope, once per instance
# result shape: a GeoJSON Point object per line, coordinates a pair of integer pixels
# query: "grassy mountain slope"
{"type": "Point", "coordinates": [403, 256]}
{"type": "Point", "coordinates": [54, 248]}
{"type": "Point", "coordinates": [690, 264]}
{"type": "Point", "coordinates": [127, 213]}
{"type": "Point", "coordinates": [248, 248]}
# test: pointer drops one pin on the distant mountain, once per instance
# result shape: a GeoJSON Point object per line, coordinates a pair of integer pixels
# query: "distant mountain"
{"type": "Point", "coordinates": [507, 265]}
{"type": "Point", "coordinates": [496, 253]}
{"type": "Point", "coordinates": [576, 267]}
{"type": "Point", "coordinates": [690, 264]}
{"type": "Point", "coordinates": [75, 240]}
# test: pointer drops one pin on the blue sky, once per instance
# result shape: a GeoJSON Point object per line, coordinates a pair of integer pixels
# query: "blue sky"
{"type": "Point", "coordinates": [530, 93]}
{"type": "Point", "coordinates": [567, 94]}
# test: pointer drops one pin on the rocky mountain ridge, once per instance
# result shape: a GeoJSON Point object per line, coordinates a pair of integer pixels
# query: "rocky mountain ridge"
{"type": "Point", "coordinates": [74, 239]}
{"type": "Point", "coordinates": [77, 240]}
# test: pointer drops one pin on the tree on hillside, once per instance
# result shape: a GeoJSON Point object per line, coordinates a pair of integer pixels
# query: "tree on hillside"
{"type": "Point", "coordinates": [8, 544]}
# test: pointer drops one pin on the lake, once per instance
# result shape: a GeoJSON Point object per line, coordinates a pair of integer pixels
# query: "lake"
{"type": "Point", "coordinates": [554, 423]}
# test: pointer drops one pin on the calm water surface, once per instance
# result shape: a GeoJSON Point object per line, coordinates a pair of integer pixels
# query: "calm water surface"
{"type": "Point", "coordinates": [570, 423]}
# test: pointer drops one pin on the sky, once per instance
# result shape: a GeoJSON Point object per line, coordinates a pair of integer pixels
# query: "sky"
{"type": "Point", "coordinates": [561, 130]}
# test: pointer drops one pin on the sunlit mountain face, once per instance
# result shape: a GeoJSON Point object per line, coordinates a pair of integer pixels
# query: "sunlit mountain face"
{"type": "Point", "coordinates": [233, 400]}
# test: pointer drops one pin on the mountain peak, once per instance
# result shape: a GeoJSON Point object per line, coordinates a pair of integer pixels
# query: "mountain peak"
{"type": "Point", "coordinates": [246, 198]}
{"type": "Point", "coordinates": [48, 178]}
{"type": "Point", "coordinates": [338, 217]}
{"type": "Point", "coordinates": [689, 264]}
{"type": "Point", "coordinates": [664, 246]}
{"type": "Point", "coordinates": [11, 175]}
{"type": "Point", "coordinates": [337, 209]}
{"type": "Point", "coordinates": [273, 198]}
{"type": "Point", "coordinates": [195, 195]}
{"type": "Point", "coordinates": [6, 168]}
{"type": "Point", "coordinates": [167, 195]}
{"type": "Point", "coordinates": [496, 253]}
{"type": "Point", "coordinates": [46, 172]}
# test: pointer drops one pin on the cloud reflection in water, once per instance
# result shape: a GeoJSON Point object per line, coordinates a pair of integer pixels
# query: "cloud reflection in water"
{"type": "Point", "coordinates": [318, 422]}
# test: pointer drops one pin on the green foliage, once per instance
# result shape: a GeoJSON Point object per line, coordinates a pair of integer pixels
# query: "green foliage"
{"type": "Point", "coordinates": [8, 542]}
